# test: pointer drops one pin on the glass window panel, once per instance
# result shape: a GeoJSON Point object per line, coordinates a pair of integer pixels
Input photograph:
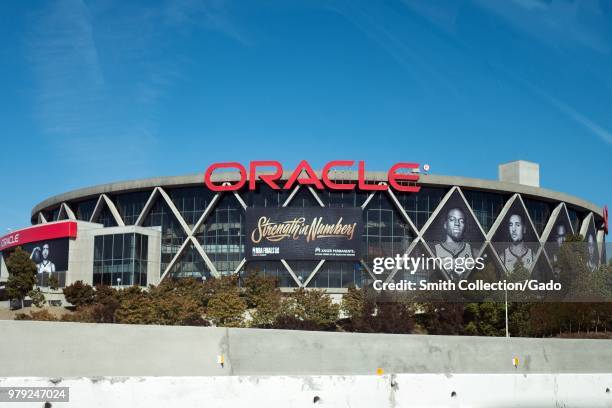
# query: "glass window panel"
{"type": "Point", "coordinates": [98, 247]}
{"type": "Point", "coordinates": [118, 246]}
{"type": "Point", "coordinates": [108, 247]}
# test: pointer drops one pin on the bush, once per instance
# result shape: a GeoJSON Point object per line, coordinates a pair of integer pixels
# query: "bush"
{"type": "Point", "coordinates": [214, 286]}
{"type": "Point", "coordinates": [136, 307]}
{"type": "Point", "coordinates": [38, 315]}
{"type": "Point", "coordinates": [484, 319]}
{"type": "Point", "coordinates": [167, 304]}
{"type": "Point", "coordinates": [307, 310]}
{"type": "Point", "coordinates": [286, 322]}
{"type": "Point", "coordinates": [393, 317]}
{"type": "Point", "coordinates": [442, 317]}
{"type": "Point", "coordinates": [226, 308]}
{"type": "Point", "coordinates": [38, 298]}
{"type": "Point", "coordinates": [53, 282]}
{"type": "Point", "coordinates": [358, 305]}
{"type": "Point", "coordinates": [259, 289]}
{"type": "Point", "coordinates": [83, 314]}
{"type": "Point", "coordinates": [79, 293]}
{"type": "Point", "coordinates": [263, 295]}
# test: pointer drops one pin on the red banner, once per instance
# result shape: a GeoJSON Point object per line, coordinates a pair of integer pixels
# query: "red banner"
{"type": "Point", "coordinates": [62, 229]}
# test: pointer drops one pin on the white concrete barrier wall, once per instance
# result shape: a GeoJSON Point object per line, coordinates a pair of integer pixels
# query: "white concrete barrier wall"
{"type": "Point", "coordinates": [393, 391]}
{"type": "Point", "coordinates": [137, 366]}
{"type": "Point", "coordinates": [53, 349]}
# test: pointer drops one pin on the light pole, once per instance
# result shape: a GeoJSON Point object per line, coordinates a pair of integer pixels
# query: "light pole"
{"type": "Point", "coordinates": [118, 281]}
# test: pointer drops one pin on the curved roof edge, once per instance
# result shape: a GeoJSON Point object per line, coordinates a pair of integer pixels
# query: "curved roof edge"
{"type": "Point", "coordinates": [424, 179]}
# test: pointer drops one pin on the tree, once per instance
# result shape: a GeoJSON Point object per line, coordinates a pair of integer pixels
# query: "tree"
{"type": "Point", "coordinates": [368, 311]}
{"type": "Point", "coordinates": [186, 288]}
{"type": "Point", "coordinates": [307, 310]}
{"type": "Point", "coordinates": [38, 298]}
{"type": "Point", "coordinates": [22, 274]}
{"type": "Point", "coordinates": [519, 316]}
{"type": "Point", "coordinates": [484, 319]}
{"type": "Point", "coordinates": [353, 303]}
{"type": "Point", "coordinates": [316, 306]}
{"type": "Point", "coordinates": [258, 288]}
{"type": "Point", "coordinates": [101, 310]}
{"type": "Point", "coordinates": [79, 293]}
{"type": "Point", "coordinates": [520, 274]}
{"type": "Point", "coordinates": [393, 317]}
{"type": "Point", "coordinates": [442, 317]}
{"type": "Point", "coordinates": [263, 296]}
{"type": "Point", "coordinates": [226, 308]}
{"type": "Point", "coordinates": [136, 308]}
{"type": "Point", "coordinates": [53, 282]}
{"type": "Point", "coordinates": [214, 286]}
{"type": "Point", "coordinates": [358, 305]}
{"type": "Point", "coordinates": [572, 266]}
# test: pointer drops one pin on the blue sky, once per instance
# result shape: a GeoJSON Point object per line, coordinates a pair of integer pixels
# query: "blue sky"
{"type": "Point", "coordinates": [95, 92]}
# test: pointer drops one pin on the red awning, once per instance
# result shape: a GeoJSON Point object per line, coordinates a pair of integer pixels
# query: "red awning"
{"type": "Point", "coordinates": [61, 229]}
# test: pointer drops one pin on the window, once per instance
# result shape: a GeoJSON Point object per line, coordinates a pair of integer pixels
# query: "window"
{"type": "Point", "coordinates": [539, 211]}
{"type": "Point", "coordinates": [106, 218]}
{"type": "Point", "coordinates": [84, 209]}
{"type": "Point", "coordinates": [385, 231]}
{"type": "Point", "coordinates": [120, 259]}
{"type": "Point", "coordinates": [222, 235]}
{"type": "Point", "coordinates": [419, 206]}
{"type": "Point", "coordinates": [172, 233]}
{"type": "Point", "coordinates": [486, 206]}
{"type": "Point", "coordinates": [130, 205]}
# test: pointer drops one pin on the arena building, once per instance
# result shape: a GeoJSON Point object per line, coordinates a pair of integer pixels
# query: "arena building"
{"type": "Point", "coordinates": [318, 230]}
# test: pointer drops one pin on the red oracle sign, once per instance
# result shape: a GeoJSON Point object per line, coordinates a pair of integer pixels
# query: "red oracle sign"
{"type": "Point", "coordinates": [64, 229]}
{"type": "Point", "coordinates": [304, 174]}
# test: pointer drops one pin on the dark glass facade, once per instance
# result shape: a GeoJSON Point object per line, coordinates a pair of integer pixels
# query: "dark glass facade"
{"type": "Point", "coordinates": [221, 235]}
{"type": "Point", "coordinates": [130, 205]}
{"type": "Point", "coordinates": [333, 274]}
{"type": "Point", "coordinates": [53, 214]}
{"type": "Point", "coordinates": [120, 259]}
{"type": "Point", "coordinates": [539, 211]}
{"type": "Point", "coordinates": [576, 217]}
{"type": "Point", "coordinates": [172, 233]}
{"type": "Point", "coordinates": [386, 233]}
{"type": "Point", "coordinates": [419, 206]}
{"type": "Point", "coordinates": [264, 196]}
{"type": "Point", "coordinates": [274, 269]}
{"type": "Point", "coordinates": [106, 217]}
{"type": "Point", "coordinates": [83, 210]}
{"type": "Point", "coordinates": [191, 202]}
{"type": "Point", "coordinates": [486, 206]}
{"type": "Point", "coordinates": [190, 265]}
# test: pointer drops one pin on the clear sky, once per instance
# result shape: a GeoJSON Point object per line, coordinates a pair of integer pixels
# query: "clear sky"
{"type": "Point", "coordinates": [100, 91]}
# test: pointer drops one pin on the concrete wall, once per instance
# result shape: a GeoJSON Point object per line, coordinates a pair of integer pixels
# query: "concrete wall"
{"type": "Point", "coordinates": [520, 172]}
{"type": "Point", "coordinates": [393, 391]}
{"type": "Point", "coordinates": [52, 349]}
{"type": "Point", "coordinates": [163, 366]}
{"type": "Point", "coordinates": [87, 252]}
{"type": "Point", "coordinates": [81, 254]}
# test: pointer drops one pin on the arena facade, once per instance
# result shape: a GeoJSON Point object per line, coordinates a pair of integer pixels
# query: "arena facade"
{"type": "Point", "coordinates": [317, 230]}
